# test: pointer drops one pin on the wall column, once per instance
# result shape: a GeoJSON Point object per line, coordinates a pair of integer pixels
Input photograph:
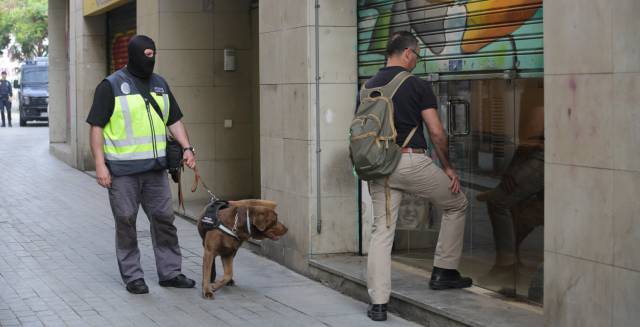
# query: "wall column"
{"type": "Point", "coordinates": [592, 173]}
{"type": "Point", "coordinates": [288, 132]}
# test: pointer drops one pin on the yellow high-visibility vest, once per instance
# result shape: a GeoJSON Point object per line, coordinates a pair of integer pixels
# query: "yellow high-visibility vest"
{"type": "Point", "coordinates": [135, 133]}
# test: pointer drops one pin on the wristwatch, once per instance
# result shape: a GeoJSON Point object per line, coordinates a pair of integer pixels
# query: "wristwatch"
{"type": "Point", "coordinates": [190, 148]}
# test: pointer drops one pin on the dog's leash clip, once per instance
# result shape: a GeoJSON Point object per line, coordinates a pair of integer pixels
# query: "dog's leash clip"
{"type": "Point", "coordinates": [214, 198]}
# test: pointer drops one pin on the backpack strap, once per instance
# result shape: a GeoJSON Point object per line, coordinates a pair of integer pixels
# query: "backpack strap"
{"type": "Point", "coordinates": [392, 87]}
{"type": "Point", "coordinates": [387, 201]}
{"type": "Point", "coordinates": [406, 141]}
{"type": "Point", "coordinates": [364, 91]}
{"type": "Point", "coordinates": [388, 90]}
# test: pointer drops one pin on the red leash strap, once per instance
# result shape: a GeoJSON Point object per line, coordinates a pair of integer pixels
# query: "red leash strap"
{"type": "Point", "coordinates": [198, 180]}
{"type": "Point", "coordinates": [180, 193]}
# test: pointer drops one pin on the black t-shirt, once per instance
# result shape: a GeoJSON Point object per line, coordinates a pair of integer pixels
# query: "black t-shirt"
{"type": "Point", "coordinates": [413, 96]}
{"type": "Point", "coordinates": [104, 101]}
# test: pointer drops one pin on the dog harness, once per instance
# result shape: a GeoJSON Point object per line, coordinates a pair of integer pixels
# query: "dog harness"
{"type": "Point", "coordinates": [232, 232]}
{"type": "Point", "coordinates": [212, 221]}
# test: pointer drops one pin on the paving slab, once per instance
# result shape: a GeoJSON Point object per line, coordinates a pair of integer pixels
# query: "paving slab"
{"type": "Point", "coordinates": [473, 306]}
{"type": "Point", "coordinates": [58, 265]}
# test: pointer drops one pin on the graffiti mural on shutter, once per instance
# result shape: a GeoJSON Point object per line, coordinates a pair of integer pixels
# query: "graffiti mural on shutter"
{"type": "Point", "coordinates": [456, 37]}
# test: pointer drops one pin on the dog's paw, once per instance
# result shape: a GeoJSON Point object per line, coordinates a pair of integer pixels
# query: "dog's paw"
{"type": "Point", "coordinates": [231, 283]}
{"type": "Point", "coordinates": [207, 293]}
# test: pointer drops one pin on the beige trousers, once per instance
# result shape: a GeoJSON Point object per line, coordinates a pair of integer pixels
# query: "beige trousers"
{"type": "Point", "coordinates": [416, 174]}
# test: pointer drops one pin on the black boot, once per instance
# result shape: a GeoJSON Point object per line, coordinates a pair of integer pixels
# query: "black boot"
{"type": "Point", "coordinates": [442, 279]}
{"type": "Point", "coordinates": [137, 286]}
{"type": "Point", "coordinates": [180, 281]}
{"type": "Point", "coordinates": [377, 312]}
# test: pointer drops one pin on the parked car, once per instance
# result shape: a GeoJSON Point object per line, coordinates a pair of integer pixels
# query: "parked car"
{"type": "Point", "coordinates": [33, 91]}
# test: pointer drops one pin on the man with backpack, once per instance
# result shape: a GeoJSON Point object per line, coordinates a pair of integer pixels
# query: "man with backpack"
{"type": "Point", "coordinates": [388, 150]}
{"type": "Point", "coordinates": [132, 108]}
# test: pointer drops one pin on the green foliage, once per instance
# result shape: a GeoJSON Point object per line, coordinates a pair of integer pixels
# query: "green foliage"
{"type": "Point", "coordinates": [27, 22]}
{"type": "Point", "coordinates": [5, 31]}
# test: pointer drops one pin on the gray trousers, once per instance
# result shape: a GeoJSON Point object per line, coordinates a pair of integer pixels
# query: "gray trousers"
{"type": "Point", "coordinates": [151, 189]}
{"type": "Point", "coordinates": [415, 174]}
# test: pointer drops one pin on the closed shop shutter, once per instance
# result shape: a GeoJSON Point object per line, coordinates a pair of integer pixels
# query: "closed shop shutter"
{"type": "Point", "coordinates": [456, 37]}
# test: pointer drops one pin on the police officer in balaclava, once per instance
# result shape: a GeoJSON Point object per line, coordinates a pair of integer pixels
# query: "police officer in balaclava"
{"type": "Point", "coordinates": [131, 109]}
{"type": "Point", "coordinates": [141, 57]}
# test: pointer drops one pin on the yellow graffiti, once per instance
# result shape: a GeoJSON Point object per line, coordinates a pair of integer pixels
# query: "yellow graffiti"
{"type": "Point", "coordinates": [490, 20]}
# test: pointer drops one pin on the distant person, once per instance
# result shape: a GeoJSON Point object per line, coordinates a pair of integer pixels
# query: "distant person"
{"type": "Point", "coordinates": [6, 92]}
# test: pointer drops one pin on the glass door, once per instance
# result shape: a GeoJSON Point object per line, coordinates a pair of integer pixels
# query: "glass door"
{"type": "Point", "coordinates": [496, 144]}
{"type": "Point", "coordinates": [480, 121]}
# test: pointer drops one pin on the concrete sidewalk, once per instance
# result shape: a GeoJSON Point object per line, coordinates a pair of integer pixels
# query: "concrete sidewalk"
{"type": "Point", "coordinates": [58, 266]}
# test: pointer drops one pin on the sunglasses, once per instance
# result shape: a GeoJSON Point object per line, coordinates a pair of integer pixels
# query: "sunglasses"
{"type": "Point", "coordinates": [416, 53]}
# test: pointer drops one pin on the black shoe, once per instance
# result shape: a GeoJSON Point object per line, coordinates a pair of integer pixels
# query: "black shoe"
{"type": "Point", "coordinates": [137, 286]}
{"type": "Point", "coordinates": [442, 279]}
{"type": "Point", "coordinates": [377, 312]}
{"type": "Point", "coordinates": [180, 281]}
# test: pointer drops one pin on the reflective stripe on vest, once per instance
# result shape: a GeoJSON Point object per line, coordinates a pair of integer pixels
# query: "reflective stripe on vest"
{"type": "Point", "coordinates": [135, 131]}
{"type": "Point", "coordinates": [132, 129]}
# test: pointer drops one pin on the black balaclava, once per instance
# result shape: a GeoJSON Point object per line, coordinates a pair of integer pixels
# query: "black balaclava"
{"type": "Point", "coordinates": [139, 64]}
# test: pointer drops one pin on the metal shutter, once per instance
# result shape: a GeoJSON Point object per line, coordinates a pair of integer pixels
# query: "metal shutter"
{"type": "Point", "coordinates": [456, 37]}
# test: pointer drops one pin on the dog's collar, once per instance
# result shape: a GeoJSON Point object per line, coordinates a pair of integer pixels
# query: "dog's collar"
{"type": "Point", "coordinates": [232, 232]}
{"type": "Point", "coordinates": [248, 222]}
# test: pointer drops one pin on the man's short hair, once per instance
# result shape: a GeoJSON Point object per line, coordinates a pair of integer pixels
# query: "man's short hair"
{"type": "Point", "coordinates": [4, 72]}
{"type": "Point", "coordinates": [400, 41]}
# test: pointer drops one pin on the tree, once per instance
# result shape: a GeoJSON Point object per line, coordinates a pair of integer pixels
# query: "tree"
{"type": "Point", "coordinates": [27, 22]}
{"type": "Point", "coordinates": [5, 30]}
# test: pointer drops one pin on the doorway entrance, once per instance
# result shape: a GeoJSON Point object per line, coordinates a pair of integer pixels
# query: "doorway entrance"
{"type": "Point", "coordinates": [496, 143]}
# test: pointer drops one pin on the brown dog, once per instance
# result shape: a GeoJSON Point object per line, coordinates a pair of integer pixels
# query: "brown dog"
{"type": "Point", "coordinates": [263, 223]}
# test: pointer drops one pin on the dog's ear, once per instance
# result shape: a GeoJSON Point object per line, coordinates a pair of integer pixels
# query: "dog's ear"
{"type": "Point", "coordinates": [262, 217]}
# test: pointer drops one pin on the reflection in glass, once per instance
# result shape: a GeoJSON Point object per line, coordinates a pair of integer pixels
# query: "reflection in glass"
{"type": "Point", "coordinates": [497, 146]}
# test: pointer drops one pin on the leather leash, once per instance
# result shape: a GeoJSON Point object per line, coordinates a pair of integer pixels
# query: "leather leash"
{"type": "Point", "coordinates": [180, 194]}
{"type": "Point", "coordinates": [197, 181]}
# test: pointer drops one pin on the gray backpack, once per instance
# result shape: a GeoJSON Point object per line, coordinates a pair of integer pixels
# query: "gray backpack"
{"type": "Point", "coordinates": [372, 138]}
